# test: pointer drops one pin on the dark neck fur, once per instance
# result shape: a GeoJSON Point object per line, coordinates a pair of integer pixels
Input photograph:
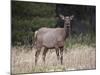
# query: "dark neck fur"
{"type": "Point", "coordinates": [67, 29]}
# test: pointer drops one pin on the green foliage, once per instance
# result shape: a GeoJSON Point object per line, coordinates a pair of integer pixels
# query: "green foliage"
{"type": "Point", "coordinates": [27, 17]}
{"type": "Point", "coordinates": [81, 40]}
{"type": "Point", "coordinates": [30, 9]}
{"type": "Point", "coordinates": [23, 29]}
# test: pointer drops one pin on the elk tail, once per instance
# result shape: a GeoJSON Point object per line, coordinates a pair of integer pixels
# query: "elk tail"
{"type": "Point", "coordinates": [35, 38]}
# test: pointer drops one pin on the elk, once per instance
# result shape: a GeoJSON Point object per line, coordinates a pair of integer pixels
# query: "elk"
{"type": "Point", "coordinates": [52, 38]}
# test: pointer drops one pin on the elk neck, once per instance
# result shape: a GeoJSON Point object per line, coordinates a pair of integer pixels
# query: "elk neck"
{"type": "Point", "coordinates": [67, 29]}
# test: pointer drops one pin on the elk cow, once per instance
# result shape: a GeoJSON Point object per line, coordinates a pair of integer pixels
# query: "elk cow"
{"type": "Point", "coordinates": [50, 38]}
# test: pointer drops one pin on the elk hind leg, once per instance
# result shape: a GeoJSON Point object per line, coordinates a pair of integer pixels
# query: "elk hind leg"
{"type": "Point", "coordinates": [44, 54]}
{"type": "Point", "coordinates": [57, 53]}
{"type": "Point", "coordinates": [36, 55]}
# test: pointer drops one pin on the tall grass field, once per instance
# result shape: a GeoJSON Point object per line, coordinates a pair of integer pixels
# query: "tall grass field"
{"type": "Point", "coordinates": [79, 54]}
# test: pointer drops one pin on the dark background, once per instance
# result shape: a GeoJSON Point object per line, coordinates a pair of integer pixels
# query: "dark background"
{"type": "Point", "coordinates": [27, 17]}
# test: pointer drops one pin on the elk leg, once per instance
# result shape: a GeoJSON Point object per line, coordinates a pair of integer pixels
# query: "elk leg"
{"type": "Point", "coordinates": [57, 53]}
{"type": "Point", "coordinates": [36, 55]}
{"type": "Point", "coordinates": [61, 55]}
{"type": "Point", "coordinates": [44, 54]}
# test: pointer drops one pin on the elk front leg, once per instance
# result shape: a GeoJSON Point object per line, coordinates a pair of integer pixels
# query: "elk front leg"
{"type": "Point", "coordinates": [61, 55]}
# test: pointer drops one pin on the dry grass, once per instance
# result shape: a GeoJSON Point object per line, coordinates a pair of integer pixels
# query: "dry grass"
{"type": "Point", "coordinates": [80, 57]}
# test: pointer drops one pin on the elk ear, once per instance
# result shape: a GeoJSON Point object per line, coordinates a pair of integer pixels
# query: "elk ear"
{"type": "Point", "coordinates": [61, 16]}
{"type": "Point", "coordinates": [71, 17]}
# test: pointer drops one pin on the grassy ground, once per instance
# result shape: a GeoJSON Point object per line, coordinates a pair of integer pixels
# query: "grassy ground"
{"type": "Point", "coordinates": [75, 58]}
